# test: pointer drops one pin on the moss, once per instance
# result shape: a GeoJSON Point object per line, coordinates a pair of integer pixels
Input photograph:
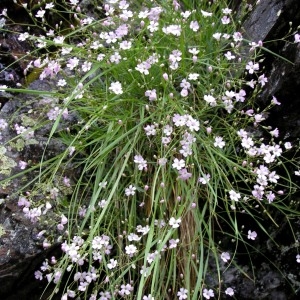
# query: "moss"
{"type": "Point", "coordinates": [27, 121]}
{"type": "Point", "coordinates": [2, 230]}
{"type": "Point", "coordinates": [6, 162]}
{"type": "Point", "coordinates": [18, 144]}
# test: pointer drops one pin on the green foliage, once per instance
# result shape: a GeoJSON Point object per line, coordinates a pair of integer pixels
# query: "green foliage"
{"type": "Point", "coordinates": [169, 150]}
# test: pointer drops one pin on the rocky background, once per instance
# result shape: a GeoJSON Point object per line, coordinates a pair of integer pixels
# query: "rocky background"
{"type": "Point", "coordinates": [21, 251]}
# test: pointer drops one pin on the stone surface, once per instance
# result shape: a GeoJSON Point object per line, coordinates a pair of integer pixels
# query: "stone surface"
{"type": "Point", "coordinates": [21, 251]}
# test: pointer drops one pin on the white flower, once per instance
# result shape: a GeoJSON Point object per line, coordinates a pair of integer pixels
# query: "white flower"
{"type": "Point", "coordinates": [229, 56]}
{"type": "Point", "coordinates": [74, 2]}
{"type": "Point", "coordinates": [3, 124]}
{"type": "Point", "coordinates": [2, 22]}
{"type": "Point", "coordinates": [172, 29]}
{"type": "Point", "coordinates": [22, 164]}
{"type": "Point", "coordinates": [205, 13]}
{"type": "Point", "coordinates": [217, 36]}
{"type": "Point", "coordinates": [174, 223]}
{"type": "Point", "coordinates": [193, 76]}
{"type": "Point", "coordinates": [73, 63]}
{"type": "Point", "coordinates": [252, 67]}
{"type": "Point", "coordinates": [23, 36]}
{"type": "Point", "coordinates": [205, 179]}
{"type": "Point", "coordinates": [150, 130]}
{"type": "Point", "coordinates": [130, 190]}
{"type": "Point", "coordinates": [298, 258]}
{"type": "Point", "coordinates": [226, 11]}
{"type": "Point", "coordinates": [229, 291]}
{"type": "Point", "coordinates": [49, 5]}
{"type": "Point", "coordinates": [287, 145]}
{"type": "Point", "coordinates": [219, 142]}
{"type": "Point", "coordinates": [247, 142]}
{"type": "Point", "coordinates": [210, 100]}
{"type": "Point", "coordinates": [275, 101]}
{"type": "Point", "coordinates": [178, 164]}
{"type": "Point", "coordinates": [192, 124]}
{"type": "Point", "coordinates": [86, 66]}
{"type": "Point", "coordinates": [61, 82]}
{"type": "Point", "coordinates": [225, 256]}
{"type": "Point", "coordinates": [113, 263]}
{"type": "Point", "coordinates": [208, 293]}
{"type": "Point", "coordinates": [133, 237]}
{"type": "Point", "coordinates": [149, 297]}
{"type": "Point", "coordinates": [182, 294]}
{"type": "Point", "coordinates": [194, 26]}
{"type": "Point", "coordinates": [116, 88]}
{"type": "Point", "coordinates": [234, 195]}
{"type": "Point", "coordinates": [142, 163]}
{"type": "Point", "coordinates": [144, 230]}
{"type": "Point", "coordinates": [194, 51]}
{"type": "Point", "coordinates": [130, 250]}
{"type": "Point", "coordinates": [167, 130]}
{"type": "Point", "coordinates": [40, 13]}
{"type": "Point", "coordinates": [185, 14]}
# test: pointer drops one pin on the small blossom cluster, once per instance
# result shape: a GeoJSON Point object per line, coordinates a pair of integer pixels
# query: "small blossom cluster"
{"type": "Point", "coordinates": [33, 213]}
{"type": "Point", "coordinates": [186, 124]}
{"type": "Point", "coordinates": [144, 66]}
{"type": "Point", "coordinates": [25, 132]}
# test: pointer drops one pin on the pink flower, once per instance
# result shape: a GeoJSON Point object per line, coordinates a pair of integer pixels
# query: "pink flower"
{"type": "Point", "coordinates": [182, 294]}
{"type": "Point", "coordinates": [151, 94]}
{"type": "Point", "coordinates": [22, 164]}
{"type": "Point", "coordinates": [208, 293]}
{"type": "Point", "coordinates": [194, 26]}
{"type": "Point", "coordinates": [275, 101]}
{"type": "Point", "coordinates": [225, 256]}
{"type": "Point", "coordinates": [173, 243]}
{"type": "Point", "coordinates": [262, 80]}
{"type": "Point", "coordinates": [252, 235]}
{"type": "Point", "coordinates": [184, 174]}
{"type": "Point", "coordinates": [229, 291]}
{"type": "Point", "coordinates": [252, 67]}
{"type": "Point", "coordinates": [225, 20]}
{"type": "Point", "coordinates": [219, 142]}
{"type": "Point", "coordinates": [73, 63]}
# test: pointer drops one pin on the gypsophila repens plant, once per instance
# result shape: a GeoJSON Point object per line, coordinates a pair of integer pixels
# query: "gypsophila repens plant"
{"type": "Point", "coordinates": [169, 143]}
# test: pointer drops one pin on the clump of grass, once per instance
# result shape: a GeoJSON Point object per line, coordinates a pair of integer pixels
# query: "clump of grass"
{"type": "Point", "coordinates": [169, 143]}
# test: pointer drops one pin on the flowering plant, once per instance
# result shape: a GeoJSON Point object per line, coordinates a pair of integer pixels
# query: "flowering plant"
{"type": "Point", "coordinates": [170, 144]}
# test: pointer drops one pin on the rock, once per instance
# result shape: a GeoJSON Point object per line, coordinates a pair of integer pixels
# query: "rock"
{"type": "Point", "coordinates": [21, 251]}
{"type": "Point", "coordinates": [270, 20]}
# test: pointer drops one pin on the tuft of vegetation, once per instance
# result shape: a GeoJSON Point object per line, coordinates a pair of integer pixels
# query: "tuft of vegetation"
{"type": "Point", "coordinates": [154, 107]}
